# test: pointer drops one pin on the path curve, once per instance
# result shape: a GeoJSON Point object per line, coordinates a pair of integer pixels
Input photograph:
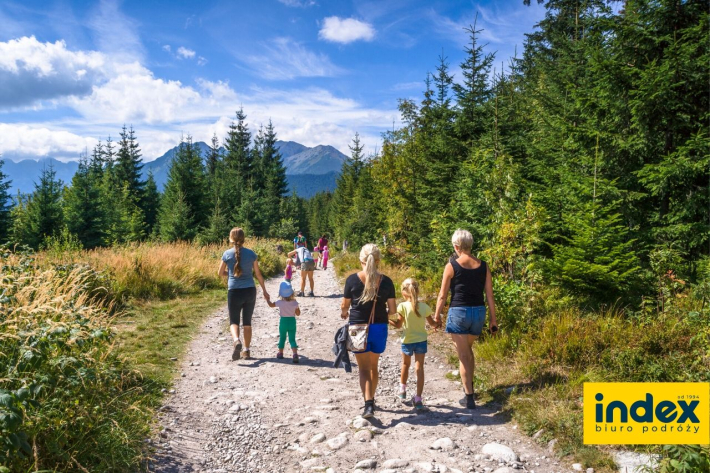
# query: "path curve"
{"type": "Point", "coordinates": [268, 415]}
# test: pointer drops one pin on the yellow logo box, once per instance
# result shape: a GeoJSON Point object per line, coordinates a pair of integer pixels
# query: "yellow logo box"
{"type": "Point", "coordinates": [646, 413]}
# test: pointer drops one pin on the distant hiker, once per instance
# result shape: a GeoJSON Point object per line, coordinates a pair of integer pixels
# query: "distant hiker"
{"type": "Point", "coordinates": [468, 278]}
{"type": "Point", "coordinates": [322, 244]}
{"type": "Point", "coordinates": [300, 241]}
{"type": "Point", "coordinates": [368, 298]}
{"type": "Point", "coordinates": [288, 310]}
{"type": "Point", "coordinates": [345, 245]}
{"type": "Point", "coordinates": [288, 272]}
{"type": "Point", "coordinates": [411, 314]}
{"type": "Point", "coordinates": [324, 257]}
{"type": "Point", "coordinates": [307, 268]}
{"type": "Point", "coordinates": [240, 265]}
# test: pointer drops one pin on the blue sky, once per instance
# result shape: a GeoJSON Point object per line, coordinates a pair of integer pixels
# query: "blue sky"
{"type": "Point", "coordinates": [73, 72]}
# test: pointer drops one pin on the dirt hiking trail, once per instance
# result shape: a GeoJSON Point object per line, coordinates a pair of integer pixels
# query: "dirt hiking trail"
{"type": "Point", "coordinates": [269, 415]}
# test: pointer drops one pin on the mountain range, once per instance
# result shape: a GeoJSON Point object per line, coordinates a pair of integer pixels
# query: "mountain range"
{"type": "Point", "coordinates": [309, 170]}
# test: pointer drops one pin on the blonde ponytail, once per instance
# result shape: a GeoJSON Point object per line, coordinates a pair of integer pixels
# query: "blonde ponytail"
{"type": "Point", "coordinates": [410, 291]}
{"type": "Point", "coordinates": [370, 255]}
{"type": "Point", "coordinates": [236, 237]}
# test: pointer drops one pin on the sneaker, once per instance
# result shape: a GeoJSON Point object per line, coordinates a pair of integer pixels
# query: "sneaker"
{"type": "Point", "coordinates": [418, 405]}
{"type": "Point", "coordinates": [300, 294]}
{"type": "Point", "coordinates": [295, 358]}
{"type": "Point", "coordinates": [310, 294]}
{"type": "Point", "coordinates": [402, 396]}
{"type": "Point", "coordinates": [246, 354]}
{"type": "Point", "coordinates": [369, 411]}
{"type": "Point", "coordinates": [237, 350]}
{"type": "Point", "coordinates": [280, 355]}
{"type": "Point", "coordinates": [470, 401]}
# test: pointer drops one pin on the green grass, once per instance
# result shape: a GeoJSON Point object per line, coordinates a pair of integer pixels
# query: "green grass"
{"type": "Point", "coordinates": [152, 333]}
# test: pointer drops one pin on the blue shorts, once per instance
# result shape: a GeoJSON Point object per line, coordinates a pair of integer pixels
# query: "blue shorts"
{"type": "Point", "coordinates": [466, 320]}
{"type": "Point", "coordinates": [410, 349]}
{"type": "Point", "coordinates": [376, 339]}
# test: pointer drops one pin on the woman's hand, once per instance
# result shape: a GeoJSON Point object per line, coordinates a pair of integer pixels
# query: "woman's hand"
{"type": "Point", "coordinates": [267, 296]}
{"type": "Point", "coordinates": [344, 314]}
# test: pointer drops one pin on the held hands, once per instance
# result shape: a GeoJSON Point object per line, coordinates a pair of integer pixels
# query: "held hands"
{"type": "Point", "coordinates": [267, 296]}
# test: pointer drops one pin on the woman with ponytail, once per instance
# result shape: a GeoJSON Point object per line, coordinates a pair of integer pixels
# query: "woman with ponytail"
{"type": "Point", "coordinates": [240, 265]}
{"type": "Point", "coordinates": [365, 291]}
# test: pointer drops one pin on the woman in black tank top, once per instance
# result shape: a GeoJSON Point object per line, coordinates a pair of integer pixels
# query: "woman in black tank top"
{"type": "Point", "coordinates": [467, 278]}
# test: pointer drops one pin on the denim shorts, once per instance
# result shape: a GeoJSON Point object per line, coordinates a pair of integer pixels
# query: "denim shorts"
{"type": "Point", "coordinates": [418, 348]}
{"type": "Point", "coordinates": [466, 320]}
{"type": "Point", "coordinates": [376, 339]}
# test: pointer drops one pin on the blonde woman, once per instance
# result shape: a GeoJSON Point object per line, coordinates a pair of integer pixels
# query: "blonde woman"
{"type": "Point", "coordinates": [467, 278]}
{"type": "Point", "coordinates": [240, 266]}
{"type": "Point", "coordinates": [363, 290]}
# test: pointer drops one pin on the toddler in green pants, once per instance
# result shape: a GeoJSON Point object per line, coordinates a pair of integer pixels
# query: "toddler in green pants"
{"type": "Point", "coordinates": [288, 310]}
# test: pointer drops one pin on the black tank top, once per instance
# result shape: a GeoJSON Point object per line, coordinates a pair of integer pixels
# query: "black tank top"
{"type": "Point", "coordinates": [467, 285]}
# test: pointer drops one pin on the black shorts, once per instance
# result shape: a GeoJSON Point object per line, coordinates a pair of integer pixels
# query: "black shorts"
{"type": "Point", "coordinates": [241, 302]}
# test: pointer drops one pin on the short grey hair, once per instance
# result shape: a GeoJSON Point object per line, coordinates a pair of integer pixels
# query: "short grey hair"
{"type": "Point", "coordinates": [463, 239]}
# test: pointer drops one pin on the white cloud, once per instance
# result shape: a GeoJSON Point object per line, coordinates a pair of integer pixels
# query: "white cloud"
{"type": "Point", "coordinates": [298, 3]}
{"type": "Point", "coordinates": [166, 47]}
{"type": "Point", "coordinates": [285, 59]}
{"type": "Point", "coordinates": [134, 94]}
{"type": "Point", "coordinates": [185, 53]}
{"type": "Point", "coordinates": [32, 141]}
{"type": "Point", "coordinates": [31, 71]}
{"type": "Point", "coordinates": [345, 30]}
{"type": "Point", "coordinates": [201, 61]}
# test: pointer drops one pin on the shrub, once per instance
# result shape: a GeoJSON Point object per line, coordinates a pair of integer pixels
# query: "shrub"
{"type": "Point", "coordinates": [65, 396]}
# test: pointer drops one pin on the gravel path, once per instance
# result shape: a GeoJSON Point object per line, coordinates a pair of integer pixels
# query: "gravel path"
{"type": "Point", "coordinates": [268, 415]}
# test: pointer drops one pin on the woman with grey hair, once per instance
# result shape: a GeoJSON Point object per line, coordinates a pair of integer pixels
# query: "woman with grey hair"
{"type": "Point", "coordinates": [467, 277]}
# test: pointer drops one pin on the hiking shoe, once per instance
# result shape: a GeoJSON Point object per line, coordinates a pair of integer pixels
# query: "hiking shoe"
{"type": "Point", "coordinates": [310, 294]}
{"type": "Point", "coordinates": [280, 356]}
{"type": "Point", "coordinates": [246, 354]}
{"type": "Point", "coordinates": [402, 396]}
{"type": "Point", "coordinates": [295, 358]}
{"type": "Point", "coordinates": [237, 350]}
{"type": "Point", "coordinates": [470, 401]}
{"type": "Point", "coordinates": [300, 294]}
{"type": "Point", "coordinates": [369, 411]}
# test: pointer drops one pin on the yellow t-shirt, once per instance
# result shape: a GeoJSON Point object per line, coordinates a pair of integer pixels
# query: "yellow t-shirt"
{"type": "Point", "coordinates": [414, 328]}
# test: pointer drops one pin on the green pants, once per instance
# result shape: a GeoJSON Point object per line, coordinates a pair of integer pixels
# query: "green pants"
{"type": "Point", "coordinates": [287, 326]}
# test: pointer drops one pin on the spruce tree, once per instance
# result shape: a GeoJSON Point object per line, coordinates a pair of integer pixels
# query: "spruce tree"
{"type": "Point", "coordinates": [473, 94]}
{"type": "Point", "coordinates": [5, 205]}
{"type": "Point", "coordinates": [237, 171]}
{"type": "Point", "coordinates": [84, 218]}
{"type": "Point", "coordinates": [151, 204]}
{"type": "Point", "coordinates": [44, 209]}
{"type": "Point", "coordinates": [184, 210]}
{"type": "Point", "coordinates": [129, 165]}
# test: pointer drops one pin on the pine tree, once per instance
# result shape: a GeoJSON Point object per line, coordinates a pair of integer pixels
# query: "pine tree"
{"type": "Point", "coordinates": [129, 165]}
{"type": "Point", "coordinates": [236, 177]}
{"type": "Point", "coordinates": [214, 156]}
{"type": "Point", "coordinates": [184, 210]}
{"type": "Point", "coordinates": [5, 206]}
{"type": "Point", "coordinates": [84, 218]}
{"type": "Point", "coordinates": [347, 185]}
{"type": "Point", "coordinates": [473, 94]}
{"type": "Point", "coordinates": [44, 210]}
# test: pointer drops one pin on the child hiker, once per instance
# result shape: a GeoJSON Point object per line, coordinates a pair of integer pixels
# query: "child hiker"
{"type": "Point", "coordinates": [288, 273]}
{"type": "Point", "coordinates": [288, 310]}
{"type": "Point", "coordinates": [411, 314]}
{"type": "Point", "coordinates": [324, 257]}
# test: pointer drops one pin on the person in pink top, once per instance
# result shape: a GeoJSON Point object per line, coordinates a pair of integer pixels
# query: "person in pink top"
{"type": "Point", "coordinates": [325, 257]}
{"type": "Point", "coordinates": [288, 310]}
{"type": "Point", "coordinates": [288, 273]}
